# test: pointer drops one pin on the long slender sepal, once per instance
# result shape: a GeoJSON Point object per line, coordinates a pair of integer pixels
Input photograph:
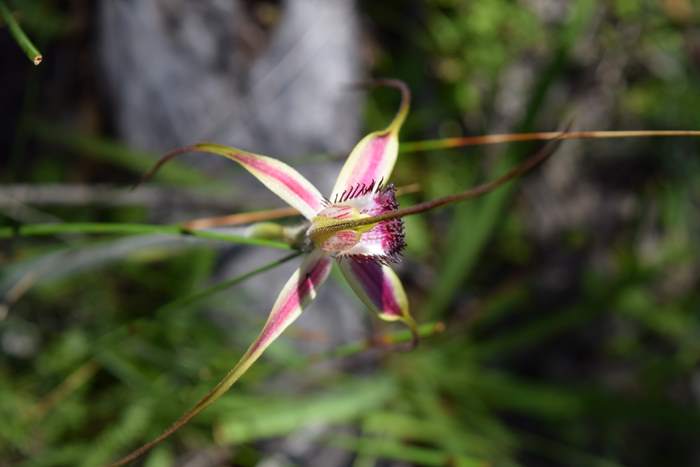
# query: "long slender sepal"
{"type": "Point", "coordinates": [278, 177]}
{"type": "Point", "coordinates": [373, 158]}
{"type": "Point", "coordinates": [296, 294]}
{"type": "Point", "coordinates": [378, 286]}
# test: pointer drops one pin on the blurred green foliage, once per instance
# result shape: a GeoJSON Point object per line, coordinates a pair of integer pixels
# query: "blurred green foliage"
{"type": "Point", "coordinates": [601, 371]}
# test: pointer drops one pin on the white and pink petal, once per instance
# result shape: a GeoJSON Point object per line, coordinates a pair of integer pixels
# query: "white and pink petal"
{"type": "Point", "coordinates": [373, 158]}
{"type": "Point", "coordinates": [295, 295]}
{"type": "Point", "coordinates": [277, 176]}
{"type": "Point", "coordinates": [378, 286]}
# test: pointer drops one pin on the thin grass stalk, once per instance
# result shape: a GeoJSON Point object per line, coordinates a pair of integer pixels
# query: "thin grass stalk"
{"type": "Point", "coordinates": [20, 37]}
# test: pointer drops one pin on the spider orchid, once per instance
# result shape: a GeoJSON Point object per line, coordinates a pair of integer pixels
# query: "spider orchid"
{"type": "Point", "coordinates": [362, 252]}
{"type": "Point", "coordinates": [359, 226]}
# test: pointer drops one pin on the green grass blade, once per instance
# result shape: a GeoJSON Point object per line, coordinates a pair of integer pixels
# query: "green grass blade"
{"type": "Point", "coordinates": [251, 418]}
{"type": "Point", "coordinates": [20, 37]}
{"type": "Point", "coordinates": [475, 223]}
{"type": "Point", "coordinates": [42, 230]}
{"type": "Point", "coordinates": [118, 154]}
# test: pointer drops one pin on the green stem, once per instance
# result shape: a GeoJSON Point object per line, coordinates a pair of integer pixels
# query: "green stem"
{"type": "Point", "coordinates": [388, 341]}
{"type": "Point", "coordinates": [39, 230]}
{"type": "Point", "coordinates": [211, 290]}
{"type": "Point", "coordinates": [20, 37]}
{"type": "Point", "coordinates": [123, 331]}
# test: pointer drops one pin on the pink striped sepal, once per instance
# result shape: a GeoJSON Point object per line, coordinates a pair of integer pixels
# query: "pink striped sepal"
{"type": "Point", "coordinates": [379, 288]}
{"type": "Point", "coordinates": [373, 158]}
{"type": "Point", "coordinates": [277, 176]}
{"type": "Point", "coordinates": [298, 292]}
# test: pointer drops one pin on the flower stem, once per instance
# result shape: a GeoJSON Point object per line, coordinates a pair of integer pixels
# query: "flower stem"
{"type": "Point", "coordinates": [447, 143]}
{"type": "Point", "coordinates": [396, 337]}
{"type": "Point", "coordinates": [38, 230]}
{"type": "Point", "coordinates": [20, 37]}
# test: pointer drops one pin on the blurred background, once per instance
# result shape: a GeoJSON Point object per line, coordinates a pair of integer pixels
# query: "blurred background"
{"type": "Point", "coordinates": [569, 299]}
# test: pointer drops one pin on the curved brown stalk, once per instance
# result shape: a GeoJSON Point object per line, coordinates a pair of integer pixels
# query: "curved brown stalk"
{"type": "Point", "coordinates": [448, 143]}
{"type": "Point", "coordinates": [479, 190]}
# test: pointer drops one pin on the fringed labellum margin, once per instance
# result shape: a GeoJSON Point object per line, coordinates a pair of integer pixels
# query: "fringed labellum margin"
{"type": "Point", "coordinates": [381, 242]}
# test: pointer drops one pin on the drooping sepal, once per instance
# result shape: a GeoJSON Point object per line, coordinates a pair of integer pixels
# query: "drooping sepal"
{"type": "Point", "coordinates": [373, 158]}
{"type": "Point", "coordinates": [378, 286]}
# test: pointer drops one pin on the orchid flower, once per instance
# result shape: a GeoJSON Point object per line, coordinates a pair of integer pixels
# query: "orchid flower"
{"type": "Point", "coordinates": [363, 253]}
{"type": "Point", "coordinates": [359, 226]}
